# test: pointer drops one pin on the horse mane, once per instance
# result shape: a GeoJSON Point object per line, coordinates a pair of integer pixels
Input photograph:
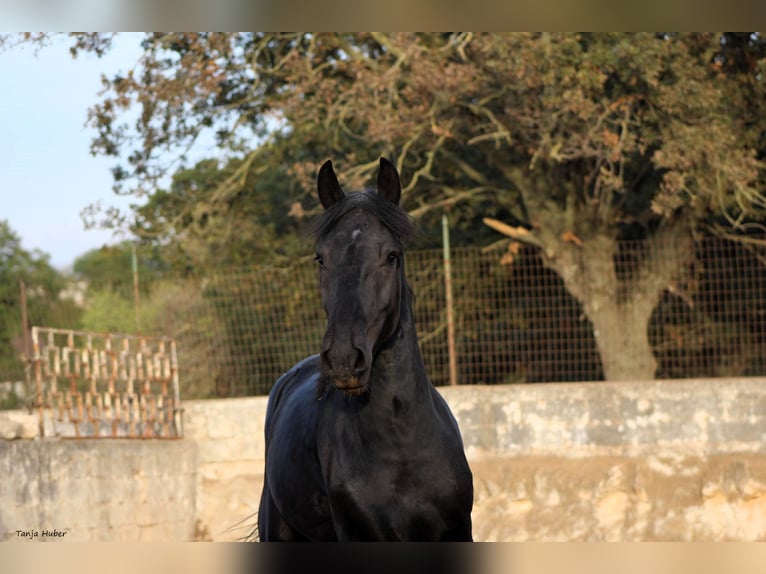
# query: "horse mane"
{"type": "Point", "coordinates": [389, 214]}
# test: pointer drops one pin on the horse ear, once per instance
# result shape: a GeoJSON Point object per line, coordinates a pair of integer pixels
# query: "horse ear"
{"type": "Point", "coordinates": [388, 182]}
{"type": "Point", "coordinates": [329, 189]}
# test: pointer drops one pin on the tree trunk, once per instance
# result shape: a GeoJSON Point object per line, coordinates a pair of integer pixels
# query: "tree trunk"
{"type": "Point", "coordinates": [578, 241]}
{"type": "Point", "coordinates": [620, 308]}
{"type": "Point", "coordinates": [621, 333]}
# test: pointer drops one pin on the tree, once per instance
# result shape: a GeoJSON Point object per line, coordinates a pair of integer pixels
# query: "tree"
{"type": "Point", "coordinates": [585, 139]}
{"type": "Point", "coordinates": [43, 287]}
{"type": "Point", "coordinates": [572, 141]}
{"type": "Point", "coordinates": [110, 268]}
{"type": "Point", "coordinates": [198, 228]}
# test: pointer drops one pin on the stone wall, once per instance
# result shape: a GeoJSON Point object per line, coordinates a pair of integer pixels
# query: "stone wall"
{"type": "Point", "coordinates": [229, 438]}
{"type": "Point", "coordinates": [664, 460]}
{"type": "Point", "coordinates": [97, 490]}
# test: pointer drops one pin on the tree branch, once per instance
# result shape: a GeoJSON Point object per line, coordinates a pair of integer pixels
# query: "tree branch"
{"type": "Point", "coordinates": [451, 200]}
{"type": "Point", "coordinates": [518, 233]}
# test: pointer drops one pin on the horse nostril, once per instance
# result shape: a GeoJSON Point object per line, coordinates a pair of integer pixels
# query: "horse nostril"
{"type": "Point", "coordinates": [360, 364]}
{"type": "Point", "coordinates": [324, 358]}
{"type": "Point", "coordinates": [343, 362]}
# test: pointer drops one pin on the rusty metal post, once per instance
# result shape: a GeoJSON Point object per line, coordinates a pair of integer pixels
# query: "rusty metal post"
{"type": "Point", "coordinates": [24, 318]}
{"type": "Point", "coordinates": [39, 389]}
{"type": "Point", "coordinates": [25, 335]}
{"type": "Point", "coordinates": [450, 308]}
{"type": "Point", "coordinates": [177, 409]}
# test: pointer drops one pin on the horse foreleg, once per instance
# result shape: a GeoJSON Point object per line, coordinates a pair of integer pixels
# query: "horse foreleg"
{"type": "Point", "coordinates": [272, 526]}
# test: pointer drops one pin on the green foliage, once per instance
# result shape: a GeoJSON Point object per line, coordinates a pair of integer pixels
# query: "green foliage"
{"type": "Point", "coordinates": [228, 215]}
{"type": "Point", "coordinates": [109, 312]}
{"type": "Point", "coordinates": [110, 268]}
{"type": "Point", "coordinates": [43, 287]}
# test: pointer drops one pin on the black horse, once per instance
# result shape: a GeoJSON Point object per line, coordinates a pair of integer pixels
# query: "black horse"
{"type": "Point", "coordinates": [359, 444]}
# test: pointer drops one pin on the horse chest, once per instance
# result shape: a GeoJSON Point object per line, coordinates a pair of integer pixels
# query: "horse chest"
{"type": "Point", "coordinates": [388, 477]}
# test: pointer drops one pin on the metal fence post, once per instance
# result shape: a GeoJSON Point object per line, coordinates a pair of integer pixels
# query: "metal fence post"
{"type": "Point", "coordinates": [450, 310]}
{"type": "Point", "coordinates": [136, 296]}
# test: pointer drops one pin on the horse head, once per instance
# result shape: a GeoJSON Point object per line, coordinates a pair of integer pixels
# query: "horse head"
{"type": "Point", "coordinates": [361, 274]}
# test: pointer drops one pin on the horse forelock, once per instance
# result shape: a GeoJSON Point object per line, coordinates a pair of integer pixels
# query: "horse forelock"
{"type": "Point", "coordinates": [389, 214]}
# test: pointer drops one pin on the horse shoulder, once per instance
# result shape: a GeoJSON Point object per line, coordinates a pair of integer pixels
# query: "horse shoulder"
{"type": "Point", "coordinates": [300, 374]}
{"type": "Point", "coordinates": [457, 463]}
{"type": "Point", "coordinates": [292, 468]}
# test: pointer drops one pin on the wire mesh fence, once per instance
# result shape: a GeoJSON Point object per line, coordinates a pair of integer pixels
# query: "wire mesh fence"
{"type": "Point", "coordinates": [237, 330]}
{"type": "Point", "coordinates": [714, 323]}
{"type": "Point", "coordinates": [515, 321]}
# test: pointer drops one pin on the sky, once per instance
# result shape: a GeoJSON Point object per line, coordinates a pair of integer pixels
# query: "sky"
{"type": "Point", "coordinates": [47, 173]}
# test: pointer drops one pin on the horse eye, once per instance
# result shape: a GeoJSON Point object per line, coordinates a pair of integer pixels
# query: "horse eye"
{"type": "Point", "coordinates": [392, 258]}
{"type": "Point", "coordinates": [319, 259]}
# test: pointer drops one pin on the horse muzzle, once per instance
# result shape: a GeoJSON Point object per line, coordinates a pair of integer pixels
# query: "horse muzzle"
{"type": "Point", "coordinates": [352, 381]}
{"type": "Point", "coordinates": [345, 362]}
{"type": "Point", "coordinates": [352, 385]}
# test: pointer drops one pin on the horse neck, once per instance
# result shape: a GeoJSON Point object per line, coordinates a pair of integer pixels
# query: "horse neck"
{"type": "Point", "coordinates": [398, 369]}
